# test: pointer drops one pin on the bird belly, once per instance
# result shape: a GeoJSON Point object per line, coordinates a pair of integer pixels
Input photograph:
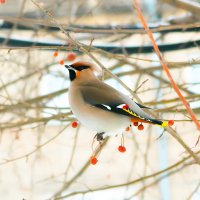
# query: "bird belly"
{"type": "Point", "coordinates": [97, 119]}
{"type": "Point", "coordinates": [104, 121]}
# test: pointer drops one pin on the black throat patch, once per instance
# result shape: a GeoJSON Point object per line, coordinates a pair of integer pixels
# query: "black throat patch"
{"type": "Point", "coordinates": [72, 74]}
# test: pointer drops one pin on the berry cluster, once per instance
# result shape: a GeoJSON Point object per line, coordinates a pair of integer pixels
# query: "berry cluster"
{"type": "Point", "coordinates": [70, 57]}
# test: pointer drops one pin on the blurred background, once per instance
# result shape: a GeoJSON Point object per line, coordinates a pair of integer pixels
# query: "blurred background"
{"type": "Point", "coordinates": [41, 155]}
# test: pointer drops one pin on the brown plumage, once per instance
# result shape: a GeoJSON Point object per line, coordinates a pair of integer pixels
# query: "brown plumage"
{"type": "Point", "coordinates": [99, 106]}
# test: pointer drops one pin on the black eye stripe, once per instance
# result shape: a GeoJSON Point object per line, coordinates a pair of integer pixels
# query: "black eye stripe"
{"type": "Point", "coordinates": [80, 68]}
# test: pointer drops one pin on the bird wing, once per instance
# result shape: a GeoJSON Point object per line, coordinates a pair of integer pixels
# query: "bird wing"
{"type": "Point", "coordinates": [100, 93]}
{"type": "Point", "coordinates": [142, 106]}
{"type": "Point", "coordinates": [103, 96]}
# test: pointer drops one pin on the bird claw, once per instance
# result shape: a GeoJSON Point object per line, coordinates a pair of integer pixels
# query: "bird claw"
{"type": "Point", "coordinates": [99, 137]}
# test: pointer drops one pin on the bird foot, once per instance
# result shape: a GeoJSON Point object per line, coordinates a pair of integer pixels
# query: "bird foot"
{"type": "Point", "coordinates": [99, 136]}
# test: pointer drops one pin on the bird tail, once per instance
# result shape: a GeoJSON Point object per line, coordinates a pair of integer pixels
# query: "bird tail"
{"type": "Point", "coordinates": [159, 122]}
{"type": "Point", "coordinates": [150, 121]}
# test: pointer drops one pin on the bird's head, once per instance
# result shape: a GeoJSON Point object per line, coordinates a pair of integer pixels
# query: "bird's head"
{"type": "Point", "coordinates": [82, 70]}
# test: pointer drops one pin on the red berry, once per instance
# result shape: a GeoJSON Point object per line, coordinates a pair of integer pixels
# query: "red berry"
{"type": "Point", "coordinates": [55, 54]}
{"type": "Point", "coordinates": [127, 128]}
{"type": "Point", "coordinates": [135, 123]}
{"type": "Point", "coordinates": [171, 122]}
{"type": "Point", "coordinates": [122, 149]}
{"type": "Point", "coordinates": [140, 127]}
{"type": "Point", "coordinates": [71, 56]}
{"type": "Point", "coordinates": [74, 124]}
{"type": "Point", "coordinates": [62, 62]}
{"type": "Point", "coordinates": [93, 160]}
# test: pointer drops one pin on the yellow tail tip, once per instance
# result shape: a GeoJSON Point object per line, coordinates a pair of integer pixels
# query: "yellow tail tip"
{"type": "Point", "coordinates": [164, 124]}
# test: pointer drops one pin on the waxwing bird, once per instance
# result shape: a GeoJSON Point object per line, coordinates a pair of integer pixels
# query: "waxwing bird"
{"type": "Point", "coordinates": [99, 106]}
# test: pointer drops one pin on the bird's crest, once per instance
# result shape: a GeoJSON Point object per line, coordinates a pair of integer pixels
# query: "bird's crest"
{"type": "Point", "coordinates": [92, 66]}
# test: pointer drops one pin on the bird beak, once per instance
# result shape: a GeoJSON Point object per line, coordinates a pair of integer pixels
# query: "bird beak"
{"type": "Point", "coordinates": [70, 67]}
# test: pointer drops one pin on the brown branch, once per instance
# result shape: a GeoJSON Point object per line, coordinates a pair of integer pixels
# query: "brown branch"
{"type": "Point", "coordinates": [177, 164]}
{"type": "Point", "coordinates": [191, 6]}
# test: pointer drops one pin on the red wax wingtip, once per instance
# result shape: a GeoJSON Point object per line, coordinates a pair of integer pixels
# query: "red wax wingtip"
{"type": "Point", "coordinates": [125, 106]}
{"type": "Point", "coordinates": [122, 149]}
{"type": "Point", "coordinates": [171, 122]}
{"type": "Point", "coordinates": [140, 127]}
{"type": "Point", "coordinates": [93, 160]}
{"type": "Point", "coordinates": [74, 124]}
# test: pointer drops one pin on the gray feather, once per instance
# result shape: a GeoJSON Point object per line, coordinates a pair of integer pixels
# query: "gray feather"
{"type": "Point", "coordinates": [142, 106]}
{"type": "Point", "coordinates": [97, 92]}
